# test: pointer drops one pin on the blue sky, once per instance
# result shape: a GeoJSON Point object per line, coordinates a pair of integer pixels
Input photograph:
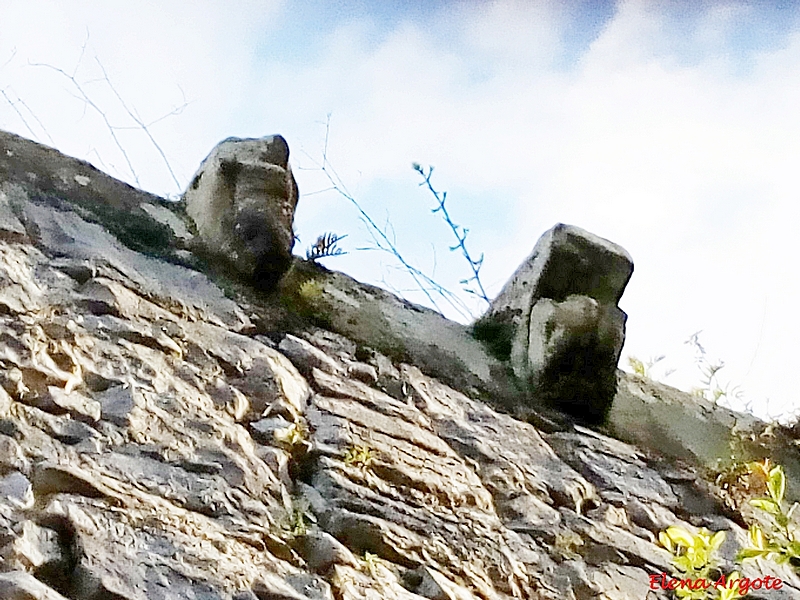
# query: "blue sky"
{"type": "Point", "coordinates": [671, 128]}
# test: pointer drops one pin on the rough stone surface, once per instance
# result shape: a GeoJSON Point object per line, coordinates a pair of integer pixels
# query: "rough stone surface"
{"type": "Point", "coordinates": [573, 350]}
{"type": "Point", "coordinates": [558, 324]}
{"type": "Point", "coordinates": [135, 217]}
{"type": "Point", "coordinates": [158, 444]}
{"type": "Point", "coordinates": [242, 200]}
{"type": "Point", "coordinates": [385, 326]}
{"type": "Point", "coordinates": [19, 585]}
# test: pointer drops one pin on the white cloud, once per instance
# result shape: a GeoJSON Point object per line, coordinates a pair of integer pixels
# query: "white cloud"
{"type": "Point", "coordinates": [154, 53]}
{"type": "Point", "coordinates": [689, 164]}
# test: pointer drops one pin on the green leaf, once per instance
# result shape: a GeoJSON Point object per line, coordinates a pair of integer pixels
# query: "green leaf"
{"type": "Point", "coordinates": [777, 484]}
{"type": "Point", "coordinates": [716, 541]}
{"type": "Point", "coordinates": [682, 563]}
{"type": "Point", "coordinates": [757, 537]}
{"type": "Point", "coordinates": [681, 536]}
{"type": "Point", "coordinates": [638, 366]}
{"type": "Point", "coordinates": [767, 505]}
{"type": "Point", "coordinates": [794, 549]}
{"type": "Point", "coordinates": [751, 553]}
{"type": "Point", "coordinates": [731, 593]}
{"type": "Point", "coordinates": [666, 541]}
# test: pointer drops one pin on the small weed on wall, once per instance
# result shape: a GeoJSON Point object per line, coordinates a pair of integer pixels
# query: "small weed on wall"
{"type": "Point", "coordinates": [696, 574]}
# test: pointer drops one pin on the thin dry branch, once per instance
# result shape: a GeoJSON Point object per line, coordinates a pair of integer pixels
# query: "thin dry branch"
{"type": "Point", "coordinates": [10, 58]}
{"type": "Point", "coordinates": [460, 233]}
{"type": "Point", "coordinates": [383, 243]}
{"type": "Point", "coordinates": [20, 101]}
{"type": "Point", "coordinates": [82, 95]}
{"type": "Point", "coordinates": [13, 105]}
{"type": "Point", "coordinates": [142, 125]}
{"type": "Point", "coordinates": [112, 128]}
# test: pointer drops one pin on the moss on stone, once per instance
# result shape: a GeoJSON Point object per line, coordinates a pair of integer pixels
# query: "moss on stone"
{"type": "Point", "coordinates": [580, 380]}
{"type": "Point", "coordinates": [135, 229]}
{"type": "Point", "coordinates": [302, 293]}
{"type": "Point", "coordinates": [495, 335]}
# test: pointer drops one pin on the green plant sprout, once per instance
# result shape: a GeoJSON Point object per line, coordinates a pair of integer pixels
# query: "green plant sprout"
{"type": "Point", "coordinates": [310, 291]}
{"type": "Point", "coordinates": [377, 569]}
{"type": "Point", "coordinates": [642, 368]}
{"type": "Point", "coordinates": [297, 520]}
{"type": "Point", "coordinates": [567, 544]}
{"type": "Point", "coordinates": [297, 524]}
{"type": "Point", "coordinates": [295, 436]}
{"type": "Point", "coordinates": [780, 545]}
{"type": "Point", "coordinates": [693, 560]}
{"type": "Point", "coordinates": [359, 456]}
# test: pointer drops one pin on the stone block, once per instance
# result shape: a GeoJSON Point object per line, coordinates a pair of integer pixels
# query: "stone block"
{"type": "Point", "coordinates": [242, 200]}
{"type": "Point", "coordinates": [558, 324]}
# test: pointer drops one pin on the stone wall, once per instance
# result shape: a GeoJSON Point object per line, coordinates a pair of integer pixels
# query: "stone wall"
{"type": "Point", "coordinates": [169, 434]}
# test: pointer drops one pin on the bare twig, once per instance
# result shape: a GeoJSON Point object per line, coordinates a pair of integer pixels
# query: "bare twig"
{"type": "Point", "coordinates": [84, 97]}
{"type": "Point", "coordinates": [100, 160]}
{"type": "Point", "coordinates": [459, 232]}
{"type": "Point", "coordinates": [145, 127]}
{"type": "Point", "coordinates": [10, 58]}
{"type": "Point", "coordinates": [13, 104]}
{"type": "Point", "coordinates": [322, 191]}
{"type": "Point", "coordinates": [80, 56]}
{"type": "Point", "coordinates": [383, 243]}
{"type": "Point", "coordinates": [712, 388]}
